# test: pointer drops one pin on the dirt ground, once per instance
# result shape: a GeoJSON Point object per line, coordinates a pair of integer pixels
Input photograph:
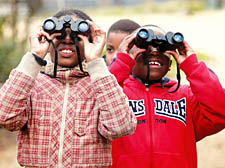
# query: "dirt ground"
{"type": "Point", "coordinates": [205, 33]}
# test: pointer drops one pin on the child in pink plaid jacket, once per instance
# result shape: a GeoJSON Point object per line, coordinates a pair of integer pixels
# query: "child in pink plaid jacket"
{"type": "Point", "coordinates": [68, 121]}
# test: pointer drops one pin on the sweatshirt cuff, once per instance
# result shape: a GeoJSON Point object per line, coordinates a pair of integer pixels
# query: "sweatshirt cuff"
{"type": "Point", "coordinates": [126, 59]}
{"type": "Point", "coordinates": [97, 69]}
{"type": "Point", "coordinates": [189, 64]}
{"type": "Point", "coordinates": [29, 65]}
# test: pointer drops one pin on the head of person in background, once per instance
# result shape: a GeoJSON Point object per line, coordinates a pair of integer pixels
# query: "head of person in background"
{"type": "Point", "coordinates": [159, 62]}
{"type": "Point", "coordinates": [115, 35]}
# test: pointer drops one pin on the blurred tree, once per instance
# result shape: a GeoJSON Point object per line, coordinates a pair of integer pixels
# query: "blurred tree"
{"type": "Point", "coordinates": [33, 7]}
{"type": "Point", "coordinates": [11, 49]}
{"type": "Point", "coordinates": [217, 4]}
{"type": "Point", "coordinates": [194, 6]}
{"type": "Point", "coordinates": [14, 18]}
{"type": "Point", "coordinates": [2, 22]}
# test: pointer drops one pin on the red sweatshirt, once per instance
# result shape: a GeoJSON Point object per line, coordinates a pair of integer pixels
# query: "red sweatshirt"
{"type": "Point", "coordinates": [169, 124]}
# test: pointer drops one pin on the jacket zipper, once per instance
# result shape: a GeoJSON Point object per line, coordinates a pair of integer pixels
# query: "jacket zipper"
{"type": "Point", "coordinates": [64, 111]}
{"type": "Point", "coordinates": [150, 124]}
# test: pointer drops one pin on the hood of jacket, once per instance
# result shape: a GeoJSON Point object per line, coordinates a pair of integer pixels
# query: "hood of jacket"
{"type": "Point", "coordinates": [61, 71]}
{"type": "Point", "coordinates": [167, 83]}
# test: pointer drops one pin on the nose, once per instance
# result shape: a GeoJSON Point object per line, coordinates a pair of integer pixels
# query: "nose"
{"type": "Point", "coordinates": [68, 37]}
{"type": "Point", "coordinates": [153, 50]}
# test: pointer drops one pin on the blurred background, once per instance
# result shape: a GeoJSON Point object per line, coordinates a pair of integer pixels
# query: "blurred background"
{"type": "Point", "coordinates": [202, 22]}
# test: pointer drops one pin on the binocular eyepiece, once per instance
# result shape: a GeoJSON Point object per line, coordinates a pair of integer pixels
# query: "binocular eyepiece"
{"type": "Point", "coordinates": [146, 37]}
{"type": "Point", "coordinates": [55, 25]}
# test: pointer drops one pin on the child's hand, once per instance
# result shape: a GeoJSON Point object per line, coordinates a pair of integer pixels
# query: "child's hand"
{"type": "Point", "coordinates": [94, 50]}
{"type": "Point", "coordinates": [38, 42]}
{"type": "Point", "coordinates": [127, 46]}
{"type": "Point", "coordinates": [183, 52]}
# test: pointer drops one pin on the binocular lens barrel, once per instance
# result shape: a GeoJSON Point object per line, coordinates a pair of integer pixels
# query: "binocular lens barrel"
{"type": "Point", "coordinates": [143, 34]}
{"type": "Point", "coordinates": [83, 27]}
{"type": "Point", "coordinates": [178, 37]}
{"type": "Point", "coordinates": [49, 25]}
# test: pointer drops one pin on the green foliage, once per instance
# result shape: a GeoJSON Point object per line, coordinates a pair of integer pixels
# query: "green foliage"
{"type": "Point", "coordinates": [2, 21]}
{"type": "Point", "coordinates": [189, 7]}
{"type": "Point", "coordinates": [10, 55]}
{"type": "Point", "coordinates": [104, 51]}
{"type": "Point", "coordinates": [195, 6]}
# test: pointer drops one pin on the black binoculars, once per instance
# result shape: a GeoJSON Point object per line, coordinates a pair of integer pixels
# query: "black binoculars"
{"type": "Point", "coordinates": [170, 41]}
{"type": "Point", "coordinates": [55, 25]}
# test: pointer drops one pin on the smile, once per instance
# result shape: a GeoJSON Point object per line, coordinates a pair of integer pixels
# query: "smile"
{"type": "Point", "coordinates": [155, 63]}
{"type": "Point", "coordinates": [66, 51]}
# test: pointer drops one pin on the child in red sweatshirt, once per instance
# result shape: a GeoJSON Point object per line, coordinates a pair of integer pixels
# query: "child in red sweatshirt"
{"type": "Point", "coordinates": [169, 124]}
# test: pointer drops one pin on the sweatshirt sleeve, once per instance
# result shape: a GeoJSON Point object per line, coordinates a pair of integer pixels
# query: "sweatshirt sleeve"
{"type": "Point", "coordinates": [116, 118]}
{"type": "Point", "coordinates": [121, 67]}
{"type": "Point", "coordinates": [15, 94]}
{"type": "Point", "coordinates": [207, 98]}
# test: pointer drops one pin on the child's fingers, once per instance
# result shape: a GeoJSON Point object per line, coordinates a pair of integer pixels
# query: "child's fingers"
{"type": "Point", "coordinates": [137, 52]}
{"type": "Point", "coordinates": [52, 36]}
{"type": "Point", "coordinates": [41, 33]}
{"type": "Point", "coordinates": [83, 38]}
{"type": "Point", "coordinates": [174, 54]}
{"type": "Point", "coordinates": [95, 29]}
{"type": "Point", "coordinates": [126, 44]}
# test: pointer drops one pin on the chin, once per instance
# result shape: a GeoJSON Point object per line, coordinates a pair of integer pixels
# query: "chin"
{"type": "Point", "coordinates": [67, 65]}
{"type": "Point", "coordinates": [152, 78]}
{"type": "Point", "coordinates": [155, 79]}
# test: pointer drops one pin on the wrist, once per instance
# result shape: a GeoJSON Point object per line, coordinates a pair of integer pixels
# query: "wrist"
{"type": "Point", "coordinates": [39, 60]}
{"type": "Point", "coordinates": [97, 69]}
{"type": "Point", "coordinates": [29, 65]}
{"type": "Point", "coordinates": [39, 54]}
{"type": "Point", "coordinates": [90, 59]}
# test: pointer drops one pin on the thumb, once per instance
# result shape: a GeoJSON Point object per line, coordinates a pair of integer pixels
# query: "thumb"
{"type": "Point", "coordinates": [83, 38]}
{"type": "Point", "coordinates": [174, 54]}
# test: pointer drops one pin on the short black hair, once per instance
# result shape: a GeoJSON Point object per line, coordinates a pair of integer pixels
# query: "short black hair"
{"type": "Point", "coordinates": [124, 26]}
{"type": "Point", "coordinates": [154, 26]}
{"type": "Point", "coordinates": [80, 14]}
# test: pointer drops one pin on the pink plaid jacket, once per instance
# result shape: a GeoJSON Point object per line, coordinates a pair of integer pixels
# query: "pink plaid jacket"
{"type": "Point", "coordinates": [68, 122]}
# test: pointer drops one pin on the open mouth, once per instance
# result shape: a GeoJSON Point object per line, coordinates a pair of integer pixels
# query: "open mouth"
{"type": "Point", "coordinates": [154, 63]}
{"type": "Point", "coordinates": [66, 52]}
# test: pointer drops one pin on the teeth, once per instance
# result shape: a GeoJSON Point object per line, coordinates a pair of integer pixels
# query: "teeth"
{"type": "Point", "coordinates": [154, 63]}
{"type": "Point", "coordinates": [67, 51]}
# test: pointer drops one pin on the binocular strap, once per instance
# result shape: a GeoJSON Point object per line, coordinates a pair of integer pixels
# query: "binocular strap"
{"type": "Point", "coordinates": [78, 53]}
{"type": "Point", "coordinates": [56, 59]}
{"type": "Point", "coordinates": [147, 83]}
{"type": "Point", "coordinates": [178, 80]}
{"type": "Point", "coordinates": [56, 56]}
{"type": "Point", "coordinates": [148, 71]}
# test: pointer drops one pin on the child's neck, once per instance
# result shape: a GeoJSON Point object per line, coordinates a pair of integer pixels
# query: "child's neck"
{"type": "Point", "coordinates": [149, 82]}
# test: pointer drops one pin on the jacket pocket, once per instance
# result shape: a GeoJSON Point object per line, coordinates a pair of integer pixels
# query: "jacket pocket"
{"type": "Point", "coordinates": [80, 126]}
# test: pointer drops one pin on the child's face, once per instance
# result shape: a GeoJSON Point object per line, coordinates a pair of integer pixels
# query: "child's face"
{"type": "Point", "coordinates": [113, 42]}
{"type": "Point", "coordinates": [159, 63]}
{"type": "Point", "coordinates": [67, 55]}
